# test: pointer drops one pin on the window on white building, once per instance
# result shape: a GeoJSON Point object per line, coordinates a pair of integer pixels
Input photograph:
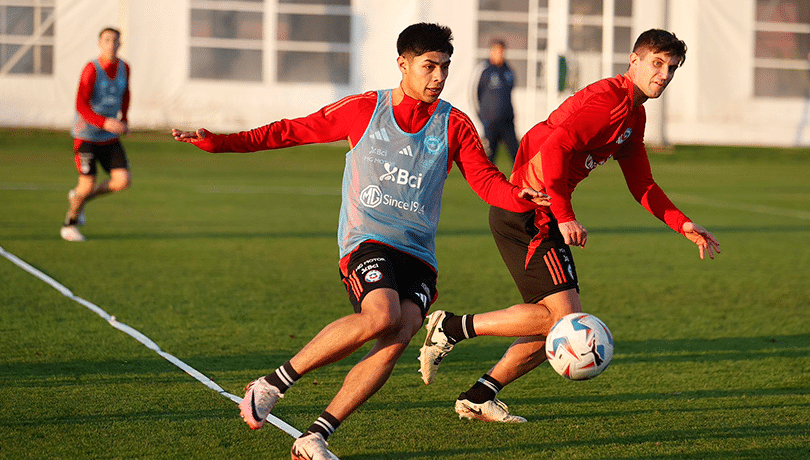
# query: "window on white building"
{"type": "Point", "coordinates": [26, 37]}
{"type": "Point", "coordinates": [524, 26]}
{"type": "Point", "coordinates": [509, 20]}
{"type": "Point", "coordinates": [585, 40]}
{"type": "Point", "coordinates": [313, 41]}
{"type": "Point", "coordinates": [226, 40]}
{"type": "Point", "coordinates": [782, 48]}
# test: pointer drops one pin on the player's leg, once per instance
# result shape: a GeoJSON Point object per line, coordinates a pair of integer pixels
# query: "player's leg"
{"type": "Point", "coordinates": [416, 290]}
{"type": "Point", "coordinates": [510, 139]}
{"type": "Point", "coordinates": [363, 380]}
{"type": "Point", "coordinates": [480, 402]}
{"type": "Point", "coordinates": [544, 273]}
{"type": "Point", "coordinates": [334, 342]}
{"type": "Point", "coordinates": [527, 319]}
{"type": "Point", "coordinates": [445, 330]}
{"type": "Point", "coordinates": [84, 157]}
{"type": "Point", "coordinates": [342, 337]}
{"type": "Point", "coordinates": [526, 353]}
{"type": "Point", "coordinates": [542, 270]}
{"type": "Point", "coordinates": [114, 160]}
{"type": "Point", "coordinates": [369, 375]}
{"type": "Point", "coordinates": [372, 287]}
{"type": "Point", "coordinates": [79, 195]}
{"type": "Point", "coordinates": [491, 139]}
{"type": "Point", "coordinates": [120, 179]}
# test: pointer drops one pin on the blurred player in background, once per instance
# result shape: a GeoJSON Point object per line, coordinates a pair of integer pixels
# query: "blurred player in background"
{"type": "Point", "coordinates": [404, 142]}
{"type": "Point", "coordinates": [603, 120]}
{"type": "Point", "coordinates": [103, 95]}
{"type": "Point", "coordinates": [494, 102]}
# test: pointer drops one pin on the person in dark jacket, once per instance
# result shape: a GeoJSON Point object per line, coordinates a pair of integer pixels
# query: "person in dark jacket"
{"type": "Point", "coordinates": [494, 98]}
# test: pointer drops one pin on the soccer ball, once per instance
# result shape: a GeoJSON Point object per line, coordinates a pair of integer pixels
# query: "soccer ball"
{"type": "Point", "coordinates": [579, 346]}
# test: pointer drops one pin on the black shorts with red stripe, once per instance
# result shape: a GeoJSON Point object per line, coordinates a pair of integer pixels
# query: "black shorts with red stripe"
{"type": "Point", "coordinates": [110, 155]}
{"type": "Point", "coordinates": [375, 265]}
{"type": "Point", "coordinates": [538, 270]}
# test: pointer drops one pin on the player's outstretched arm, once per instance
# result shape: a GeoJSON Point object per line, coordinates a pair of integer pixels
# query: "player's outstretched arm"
{"type": "Point", "coordinates": [705, 241]}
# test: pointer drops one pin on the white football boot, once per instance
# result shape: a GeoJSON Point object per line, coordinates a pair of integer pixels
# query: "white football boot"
{"type": "Point", "coordinates": [71, 233]}
{"type": "Point", "coordinates": [260, 398]}
{"type": "Point", "coordinates": [436, 347]}
{"type": "Point", "coordinates": [311, 446]}
{"type": "Point", "coordinates": [490, 411]}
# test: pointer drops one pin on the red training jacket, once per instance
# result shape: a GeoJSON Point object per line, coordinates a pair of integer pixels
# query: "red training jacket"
{"type": "Point", "coordinates": [348, 118]}
{"type": "Point", "coordinates": [595, 124]}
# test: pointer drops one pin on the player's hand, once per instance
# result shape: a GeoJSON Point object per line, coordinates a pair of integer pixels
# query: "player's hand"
{"type": "Point", "coordinates": [189, 136]}
{"type": "Point", "coordinates": [115, 126]}
{"type": "Point", "coordinates": [574, 233]}
{"type": "Point", "coordinates": [530, 194]}
{"type": "Point", "coordinates": [705, 241]}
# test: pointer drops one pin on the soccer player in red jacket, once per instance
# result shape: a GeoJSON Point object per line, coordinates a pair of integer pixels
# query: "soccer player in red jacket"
{"type": "Point", "coordinates": [403, 143]}
{"type": "Point", "coordinates": [103, 94]}
{"type": "Point", "coordinates": [603, 120]}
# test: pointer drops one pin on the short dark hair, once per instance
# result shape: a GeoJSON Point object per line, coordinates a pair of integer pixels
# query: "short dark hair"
{"type": "Point", "coordinates": [422, 38]}
{"type": "Point", "coordinates": [661, 41]}
{"type": "Point", "coordinates": [109, 29]}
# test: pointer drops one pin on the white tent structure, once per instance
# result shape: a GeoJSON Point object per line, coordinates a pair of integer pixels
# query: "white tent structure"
{"type": "Point", "coordinates": [236, 64]}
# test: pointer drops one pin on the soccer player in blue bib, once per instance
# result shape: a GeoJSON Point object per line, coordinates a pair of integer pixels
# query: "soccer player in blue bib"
{"type": "Point", "coordinates": [403, 144]}
{"type": "Point", "coordinates": [103, 94]}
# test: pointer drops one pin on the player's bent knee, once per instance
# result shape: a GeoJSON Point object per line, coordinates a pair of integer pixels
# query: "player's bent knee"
{"type": "Point", "coordinates": [120, 186]}
{"type": "Point", "coordinates": [120, 180]}
{"type": "Point", "coordinates": [382, 324]}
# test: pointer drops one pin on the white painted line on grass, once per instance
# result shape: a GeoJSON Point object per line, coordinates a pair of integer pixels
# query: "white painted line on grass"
{"type": "Point", "coordinates": [146, 341]}
{"type": "Point", "coordinates": [32, 187]}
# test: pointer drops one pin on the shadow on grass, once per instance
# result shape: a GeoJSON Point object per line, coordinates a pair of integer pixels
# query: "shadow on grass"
{"type": "Point", "coordinates": [697, 442]}
{"type": "Point", "coordinates": [713, 350]}
{"type": "Point", "coordinates": [208, 232]}
{"type": "Point", "coordinates": [466, 354]}
{"type": "Point", "coordinates": [126, 370]}
{"type": "Point", "coordinates": [478, 353]}
{"type": "Point", "coordinates": [651, 442]}
{"type": "Point", "coordinates": [106, 419]}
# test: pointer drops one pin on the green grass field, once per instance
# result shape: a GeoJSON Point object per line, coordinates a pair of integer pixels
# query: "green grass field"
{"type": "Point", "coordinates": [230, 264]}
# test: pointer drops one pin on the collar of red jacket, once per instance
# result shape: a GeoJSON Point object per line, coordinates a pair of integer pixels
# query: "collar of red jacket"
{"type": "Point", "coordinates": [412, 114]}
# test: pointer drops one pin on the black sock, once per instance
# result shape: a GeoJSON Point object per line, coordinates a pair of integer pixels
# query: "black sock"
{"type": "Point", "coordinates": [283, 378]}
{"type": "Point", "coordinates": [458, 328]}
{"type": "Point", "coordinates": [485, 389]}
{"type": "Point", "coordinates": [325, 425]}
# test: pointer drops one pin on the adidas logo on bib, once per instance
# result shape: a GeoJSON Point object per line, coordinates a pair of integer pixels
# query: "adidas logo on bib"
{"type": "Point", "coordinates": [380, 135]}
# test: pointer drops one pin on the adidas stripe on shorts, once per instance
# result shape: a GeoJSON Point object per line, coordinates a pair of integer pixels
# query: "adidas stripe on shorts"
{"type": "Point", "coordinates": [551, 267]}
